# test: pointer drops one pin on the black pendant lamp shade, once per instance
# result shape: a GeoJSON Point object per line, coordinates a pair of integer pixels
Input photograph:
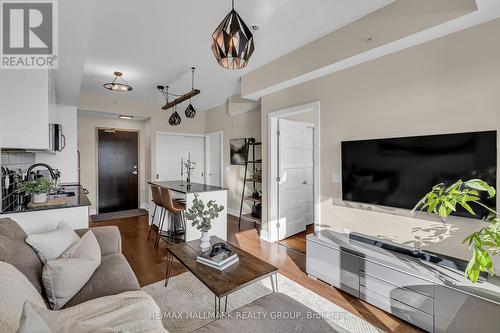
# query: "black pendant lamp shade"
{"type": "Point", "coordinates": [232, 42]}
{"type": "Point", "coordinates": [190, 111]}
{"type": "Point", "coordinates": [174, 119]}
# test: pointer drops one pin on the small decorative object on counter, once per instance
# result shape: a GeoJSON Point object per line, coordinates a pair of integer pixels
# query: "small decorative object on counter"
{"type": "Point", "coordinates": [190, 166]}
{"type": "Point", "coordinates": [37, 189]}
{"type": "Point", "coordinates": [202, 216]}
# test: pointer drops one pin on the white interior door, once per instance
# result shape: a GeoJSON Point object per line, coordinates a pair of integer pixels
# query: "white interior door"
{"type": "Point", "coordinates": [171, 149]}
{"type": "Point", "coordinates": [296, 149]}
{"type": "Point", "coordinates": [214, 144]}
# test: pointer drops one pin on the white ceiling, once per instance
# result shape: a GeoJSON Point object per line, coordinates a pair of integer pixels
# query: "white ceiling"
{"type": "Point", "coordinates": [156, 41]}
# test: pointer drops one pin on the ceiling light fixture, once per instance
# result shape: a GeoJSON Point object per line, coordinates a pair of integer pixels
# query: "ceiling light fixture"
{"type": "Point", "coordinates": [190, 111]}
{"type": "Point", "coordinates": [174, 119]}
{"type": "Point", "coordinates": [232, 42]}
{"type": "Point", "coordinates": [115, 86]}
{"type": "Point", "coordinates": [122, 116]}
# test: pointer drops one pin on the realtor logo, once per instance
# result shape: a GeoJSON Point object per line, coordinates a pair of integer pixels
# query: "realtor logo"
{"type": "Point", "coordinates": [29, 34]}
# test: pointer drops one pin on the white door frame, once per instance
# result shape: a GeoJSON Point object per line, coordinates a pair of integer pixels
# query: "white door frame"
{"type": "Point", "coordinates": [207, 156]}
{"type": "Point", "coordinates": [273, 172]}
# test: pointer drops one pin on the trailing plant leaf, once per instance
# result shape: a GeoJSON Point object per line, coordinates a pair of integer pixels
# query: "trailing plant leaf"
{"type": "Point", "coordinates": [484, 243]}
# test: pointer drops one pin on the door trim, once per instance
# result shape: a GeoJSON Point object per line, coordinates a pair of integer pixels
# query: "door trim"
{"type": "Point", "coordinates": [139, 171]}
{"type": "Point", "coordinates": [207, 154]}
{"type": "Point", "coordinates": [272, 234]}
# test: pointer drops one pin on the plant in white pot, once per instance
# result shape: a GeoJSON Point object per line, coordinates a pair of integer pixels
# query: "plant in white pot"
{"type": "Point", "coordinates": [38, 189]}
{"type": "Point", "coordinates": [202, 216]}
{"type": "Point", "coordinates": [485, 243]}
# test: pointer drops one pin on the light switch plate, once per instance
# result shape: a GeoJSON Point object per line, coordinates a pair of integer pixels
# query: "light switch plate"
{"type": "Point", "coordinates": [337, 178]}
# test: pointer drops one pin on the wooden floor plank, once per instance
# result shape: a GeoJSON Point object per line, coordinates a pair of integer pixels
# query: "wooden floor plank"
{"type": "Point", "coordinates": [149, 266]}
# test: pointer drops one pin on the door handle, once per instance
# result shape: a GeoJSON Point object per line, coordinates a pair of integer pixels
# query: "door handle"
{"type": "Point", "coordinates": [304, 182]}
{"type": "Point", "coordinates": [134, 172]}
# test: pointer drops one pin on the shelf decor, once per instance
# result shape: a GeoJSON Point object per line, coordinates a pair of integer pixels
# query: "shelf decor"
{"type": "Point", "coordinates": [232, 42]}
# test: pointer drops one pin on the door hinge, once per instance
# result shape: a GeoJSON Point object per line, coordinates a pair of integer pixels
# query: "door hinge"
{"type": "Point", "coordinates": [278, 133]}
{"type": "Point", "coordinates": [157, 176]}
{"type": "Point", "coordinates": [278, 179]}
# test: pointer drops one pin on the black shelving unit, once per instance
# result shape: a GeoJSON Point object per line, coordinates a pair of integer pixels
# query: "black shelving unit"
{"type": "Point", "coordinates": [250, 164]}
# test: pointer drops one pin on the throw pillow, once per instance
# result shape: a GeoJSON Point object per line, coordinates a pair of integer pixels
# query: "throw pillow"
{"type": "Point", "coordinates": [50, 245]}
{"type": "Point", "coordinates": [64, 277]}
{"type": "Point", "coordinates": [41, 320]}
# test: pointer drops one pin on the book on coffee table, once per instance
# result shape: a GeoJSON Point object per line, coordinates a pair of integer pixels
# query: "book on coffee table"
{"type": "Point", "coordinates": [224, 257]}
{"type": "Point", "coordinates": [220, 267]}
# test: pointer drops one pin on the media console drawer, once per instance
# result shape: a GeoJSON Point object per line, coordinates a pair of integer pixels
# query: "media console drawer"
{"type": "Point", "coordinates": [406, 296]}
{"type": "Point", "coordinates": [395, 277]}
{"type": "Point", "coordinates": [403, 311]}
{"type": "Point", "coordinates": [339, 268]}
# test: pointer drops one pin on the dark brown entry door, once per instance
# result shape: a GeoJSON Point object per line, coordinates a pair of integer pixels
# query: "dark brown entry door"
{"type": "Point", "coordinates": [118, 173]}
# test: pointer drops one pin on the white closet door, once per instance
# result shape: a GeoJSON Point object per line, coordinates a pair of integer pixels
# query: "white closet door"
{"type": "Point", "coordinates": [171, 149]}
{"type": "Point", "coordinates": [296, 171]}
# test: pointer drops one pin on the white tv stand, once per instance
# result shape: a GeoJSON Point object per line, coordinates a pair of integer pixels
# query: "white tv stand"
{"type": "Point", "coordinates": [434, 298]}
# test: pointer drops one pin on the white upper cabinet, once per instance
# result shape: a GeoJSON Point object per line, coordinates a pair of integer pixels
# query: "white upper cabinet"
{"type": "Point", "coordinates": [27, 106]}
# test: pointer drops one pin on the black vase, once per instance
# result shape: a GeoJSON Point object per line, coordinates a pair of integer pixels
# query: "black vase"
{"type": "Point", "coordinates": [257, 211]}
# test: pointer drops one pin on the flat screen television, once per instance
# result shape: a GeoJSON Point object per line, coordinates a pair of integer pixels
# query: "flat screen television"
{"type": "Point", "coordinates": [398, 172]}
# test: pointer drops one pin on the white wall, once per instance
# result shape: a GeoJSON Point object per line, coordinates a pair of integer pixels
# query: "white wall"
{"type": "Point", "coordinates": [448, 85]}
{"type": "Point", "coordinates": [67, 160]}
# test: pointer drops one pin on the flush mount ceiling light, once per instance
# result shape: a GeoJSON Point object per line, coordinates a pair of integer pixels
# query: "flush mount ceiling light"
{"type": "Point", "coordinates": [116, 86]}
{"type": "Point", "coordinates": [190, 111]}
{"type": "Point", "coordinates": [232, 42]}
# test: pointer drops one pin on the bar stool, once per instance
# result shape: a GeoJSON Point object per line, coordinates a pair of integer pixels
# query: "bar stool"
{"type": "Point", "coordinates": [156, 192]}
{"type": "Point", "coordinates": [177, 208]}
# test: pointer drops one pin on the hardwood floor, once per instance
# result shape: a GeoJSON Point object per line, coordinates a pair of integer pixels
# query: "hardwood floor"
{"type": "Point", "coordinates": [298, 241]}
{"type": "Point", "coordinates": [148, 264]}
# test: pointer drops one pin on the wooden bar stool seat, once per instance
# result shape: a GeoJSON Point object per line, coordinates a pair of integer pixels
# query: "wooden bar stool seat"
{"type": "Point", "coordinates": [177, 209]}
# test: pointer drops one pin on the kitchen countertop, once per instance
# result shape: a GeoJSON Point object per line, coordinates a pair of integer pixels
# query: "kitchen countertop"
{"type": "Point", "coordinates": [80, 199]}
{"type": "Point", "coordinates": [182, 187]}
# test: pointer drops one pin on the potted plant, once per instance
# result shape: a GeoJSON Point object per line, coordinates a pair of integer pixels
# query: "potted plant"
{"type": "Point", "coordinates": [38, 189]}
{"type": "Point", "coordinates": [189, 166]}
{"type": "Point", "coordinates": [485, 243]}
{"type": "Point", "coordinates": [202, 216]}
{"type": "Point", "coordinates": [256, 194]}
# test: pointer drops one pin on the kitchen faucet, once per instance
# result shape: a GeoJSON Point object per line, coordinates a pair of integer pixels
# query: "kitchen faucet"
{"type": "Point", "coordinates": [55, 175]}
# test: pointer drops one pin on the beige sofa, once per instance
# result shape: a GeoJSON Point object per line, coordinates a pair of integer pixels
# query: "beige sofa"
{"type": "Point", "coordinates": [112, 297]}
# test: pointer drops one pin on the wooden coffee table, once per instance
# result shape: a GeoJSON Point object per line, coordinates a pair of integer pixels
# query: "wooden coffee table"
{"type": "Point", "coordinates": [247, 270]}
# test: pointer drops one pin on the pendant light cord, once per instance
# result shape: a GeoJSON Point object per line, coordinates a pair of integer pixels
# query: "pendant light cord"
{"type": "Point", "coordinates": [232, 3]}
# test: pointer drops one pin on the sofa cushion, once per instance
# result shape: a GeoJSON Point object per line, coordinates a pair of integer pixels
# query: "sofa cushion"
{"type": "Point", "coordinates": [16, 252]}
{"type": "Point", "coordinates": [132, 311]}
{"type": "Point", "coordinates": [15, 290]}
{"type": "Point", "coordinates": [113, 276]}
{"type": "Point", "coordinates": [51, 244]}
{"type": "Point", "coordinates": [43, 320]}
{"type": "Point", "coordinates": [245, 320]}
{"type": "Point", "coordinates": [65, 276]}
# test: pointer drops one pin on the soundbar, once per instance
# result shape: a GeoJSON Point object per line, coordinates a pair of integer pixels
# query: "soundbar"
{"type": "Point", "coordinates": [432, 257]}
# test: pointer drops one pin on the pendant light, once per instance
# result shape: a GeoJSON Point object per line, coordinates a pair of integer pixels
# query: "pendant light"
{"type": "Point", "coordinates": [115, 86]}
{"type": "Point", "coordinates": [190, 111]}
{"type": "Point", "coordinates": [232, 42]}
{"type": "Point", "coordinates": [174, 119]}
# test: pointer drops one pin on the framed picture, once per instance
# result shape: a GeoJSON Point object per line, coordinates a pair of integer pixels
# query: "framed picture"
{"type": "Point", "coordinates": [238, 151]}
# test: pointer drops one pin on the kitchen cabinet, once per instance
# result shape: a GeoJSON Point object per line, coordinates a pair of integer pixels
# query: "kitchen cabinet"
{"type": "Point", "coordinates": [27, 106]}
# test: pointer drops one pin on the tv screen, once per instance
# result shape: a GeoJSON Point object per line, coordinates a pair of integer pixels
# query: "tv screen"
{"type": "Point", "coordinates": [398, 172]}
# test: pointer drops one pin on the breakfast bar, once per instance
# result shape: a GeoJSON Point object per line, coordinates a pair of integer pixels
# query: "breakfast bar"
{"type": "Point", "coordinates": [182, 190]}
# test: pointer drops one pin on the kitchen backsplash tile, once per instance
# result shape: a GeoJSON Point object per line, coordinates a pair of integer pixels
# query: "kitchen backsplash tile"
{"type": "Point", "coordinates": [12, 163]}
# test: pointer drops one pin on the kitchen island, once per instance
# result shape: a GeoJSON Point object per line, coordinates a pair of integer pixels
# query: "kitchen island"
{"type": "Point", "coordinates": [181, 190]}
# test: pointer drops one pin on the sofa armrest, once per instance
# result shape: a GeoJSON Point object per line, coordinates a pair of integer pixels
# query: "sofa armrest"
{"type": "Point", "coordinates": [108, 237]}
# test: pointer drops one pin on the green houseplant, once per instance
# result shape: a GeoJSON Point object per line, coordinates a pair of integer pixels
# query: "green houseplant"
{"type": "Point", "coordinates": [202, 216]}
{"type": "Point", "coordinates": [37, 189]}
{"type": "Point", "coordinates": [485, 243]}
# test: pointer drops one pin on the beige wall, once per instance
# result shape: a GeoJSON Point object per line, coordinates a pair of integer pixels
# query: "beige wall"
{"type": "Point", "coordinates": [447, 85]}
{"type": "Point", "coordinates": [87, 146]}
{"type": "Point", "coordinates": [244, 125]}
